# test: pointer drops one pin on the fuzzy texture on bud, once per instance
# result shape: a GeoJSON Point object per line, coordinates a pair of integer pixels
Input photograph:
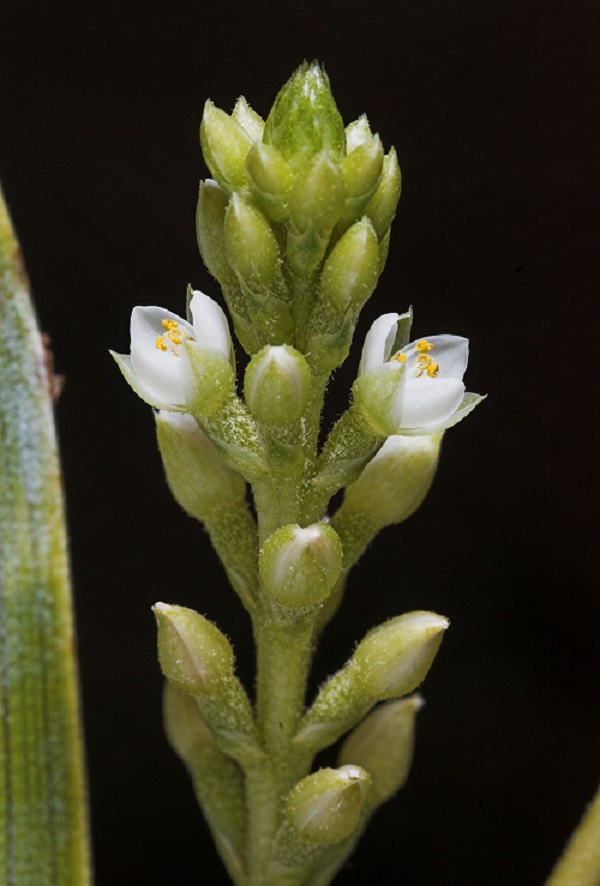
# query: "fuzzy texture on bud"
{"type": "Point", "coordinates": [250, 243]}
{"type": "Point", "coordinates": [395, 657]}
{"type": "Point", "coordinates": [224, 144]}
{"type": "Point", "coordinates": [198, 478]}
{"type": "Point", "coordinates": [351, 270]}
{"type": "Point", "coordinates": [381, 209]}
{"type": "Point", "coordinates": [383, 745]}
{"type": "Point", "coordinates": [270, 179]}
{"type": "Point", "coordinates": [194, 655]}
{"type": "Point", "coordinates": [395, 482]}
{"type": "Point", "coordinates": [299, 567]}
{"type": "Point", "coordinates": [304, 119]}
{"type": "Point", "coordinates": [277, 385]}
{"type": "Point", "coordinates": [326, 807]}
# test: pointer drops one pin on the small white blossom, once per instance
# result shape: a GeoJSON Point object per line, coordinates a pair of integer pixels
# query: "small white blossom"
{"type": "Point", "coordinates": [159, 368]}
{"type": "Point", "coordinates": [426, 393]}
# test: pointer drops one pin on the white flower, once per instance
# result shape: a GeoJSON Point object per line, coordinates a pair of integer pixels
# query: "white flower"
{"type": "Point", "coordinates": [418, 388]}
{"type": "Point", "coordinates": [166, 352]}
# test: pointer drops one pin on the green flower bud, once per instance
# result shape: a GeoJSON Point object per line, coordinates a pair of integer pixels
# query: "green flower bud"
{"type": "Point", "coordinates": [351, 270]}
{"type": "Point", "coordinates": [299, 567]}
{"type": "Point", "coordinates": [317, 198]}
{"type": "Point", "coordinates": [358, 133]}
{"type": "Point", "coordinates": [304, 119]}
{"type": "Point", "coordinates": [270, 179]}
{"type": "Point", "coordinates": [197, 476]}
{"type": "Point", "coordinates": [194, 655]}
{"type": "Point", "coordinates": [381, 209]}
{"type": "Point", "coordinates": [277, 385]}
{"type": "Point", "coordinates": [383, 745]}
{"type": "Point", "coordinates": [395, 657]}
{"type": "Point", "coordinates": [361, 170]}
{"type": "Point", "coordinates": [224, 144]}
{"type": "Point", "coordinates": [250, 243]}
{"type": "Point", "coordinates": [395, 482]}
{"type": "Point", "coordinates": [248, 119]}
{"type": "Point", "coordinates": [326, 807]}
{"type": "Point", "coordinates": [210, 219]}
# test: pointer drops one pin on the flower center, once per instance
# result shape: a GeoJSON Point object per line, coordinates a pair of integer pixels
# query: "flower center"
{"type": "Point", "coordinates": [425, 364]}
{"type": "Point", "coordinates": [173, 338]}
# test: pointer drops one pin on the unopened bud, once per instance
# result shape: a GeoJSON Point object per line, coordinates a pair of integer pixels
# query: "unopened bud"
{"type": "Point", "coordinates": [361, 170]}
{"type": "Point", "coordinates": [358, 133]}
{"type": "Point", "coordinates": [395, 481]}
{"type": "Point", "coordinates": [326, 807]}
{"type": "Point", "coordinates": [300, 566]}
{"type": "Point", "coordinates": [250, 243]}
{"type": "Point", "coordinates": [277, 385]}
{"type": "Point", "coordinates": [317, 198]}
{"type": "Point", "coordinates": [198, 477]}
{"type": "Point", "coordinates": [304, 118]}
{"type": "Point", "coordinates": [224, 144]}
{"type": "Point", "coordinates": [381, 209]}
{"type": "Point", "coordinates": [395, 657]}
{"type": "Point", "coordinates": [194, 655]}
{"type": "Point", "coordinates": [351, 270]}
{"type": "Point", "coordinates": [248, 119]}
{"type": "Point", "coordinates": [270, 179]}
{"type": "Point", "coordinates": [383, 745]}
{"type": "Point", "coordinates": [210, 219]}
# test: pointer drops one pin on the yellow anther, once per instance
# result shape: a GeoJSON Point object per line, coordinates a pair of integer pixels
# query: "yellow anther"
{"type": "Point", "coordinates": [175, 337]}
{"type": "Point", "coordinates": [433, 370]}
{"type": "Point", "coordinates": [399, 357]}
{"type": "Point", "coordinates": [423, 346]}
{"type": "Point", "coordinates": [160, 343]}
{"type": "Point", "coordinates": [169, 324]}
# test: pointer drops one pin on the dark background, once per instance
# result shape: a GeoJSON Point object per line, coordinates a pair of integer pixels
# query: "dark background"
{"type": "Point", "coordinates": [493, 108]}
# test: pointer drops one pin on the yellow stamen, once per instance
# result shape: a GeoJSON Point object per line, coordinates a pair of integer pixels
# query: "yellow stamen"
{"type": "Point", "coordinates": [175, 337]}
{"type": "Point", "coordinates": [423, 346]}
{"type": "Point", "coordinates": [169, 324]}
{"type": "Point", "coordinates": [399, 357]}
{"type": "Point", "coordinates": [160, 343]}
{"type": "Point", "coordinates": [425, 363]}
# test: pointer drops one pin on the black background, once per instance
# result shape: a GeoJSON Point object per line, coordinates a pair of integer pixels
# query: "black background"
{"type": "Point", "coordinates": [492, 107]}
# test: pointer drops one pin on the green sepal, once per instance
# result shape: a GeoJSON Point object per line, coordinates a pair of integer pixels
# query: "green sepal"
{"type": "Point", "coordinates": [383, 745]}
{"type": "Point", "coordinates": [351, 270]}
{"type": "Point", "coordinates": [277, 386]}
{"type": "Point", "coordinates": [210, 221]}
{"type": "Point", "coordinates": [224, 145]}
{"type": "Point", "coordinates": [300, 566]}
{"type": "Point", "coordinates": [325, 807]}
{"type": "Point", "coordinates": [381, 209]}
{"type": "Point", "coordinates": [248, 119]}
{"type": "Point", "coordinates": [271, 179]}
{"type": "Point", "coordinates": [214, 378]}
{"type": "Point", "coordinates": [250, 244]}
{"type": "Point", "coordinates": [374, 394]}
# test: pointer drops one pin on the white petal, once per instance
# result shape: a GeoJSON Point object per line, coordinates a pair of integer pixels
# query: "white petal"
{"type": "Point", "coordinates": [211, 329]}
{"type": "Point", "coordinates": [450, 351]}
{"type": "Point", "coordinates": [428, 401]}
{"type": "Point", "coordinates": [379, 341]}
{"type": "Point", "coordinates": [164, 375]}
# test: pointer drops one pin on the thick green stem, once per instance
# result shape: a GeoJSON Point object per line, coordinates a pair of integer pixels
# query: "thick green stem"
{"type": "Point", "coordinates": [43, 816]}
{"type": "Point", "coordinates": [580, 863]}
{"type": "Point", "coordinates": [283, 660]}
